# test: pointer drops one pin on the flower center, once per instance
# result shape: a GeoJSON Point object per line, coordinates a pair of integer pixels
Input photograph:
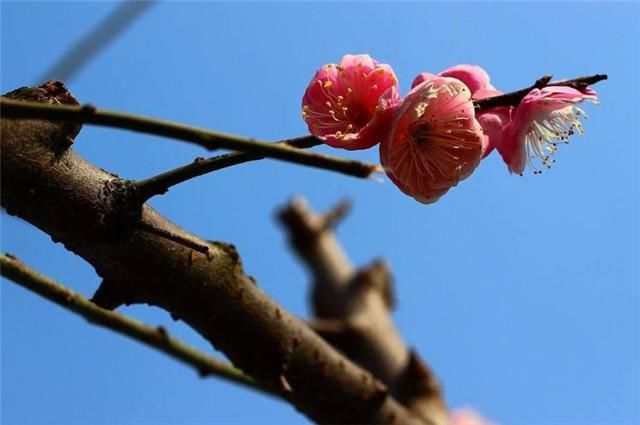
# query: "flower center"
{"type": "Point", "coordinates": [544, 136]}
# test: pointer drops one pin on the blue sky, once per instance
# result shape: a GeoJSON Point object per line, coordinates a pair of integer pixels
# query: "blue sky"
{"type": "Point", "coordinates": [522, 292]}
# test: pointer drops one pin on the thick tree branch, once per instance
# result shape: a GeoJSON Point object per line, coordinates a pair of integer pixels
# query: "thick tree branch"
{"type": "Point", "coordinates": [353, 311]}
{"type": "Point", "coordinates": [53, 188]}
{"type": "Point", "coordinates": [209, 139]}
{"type": "Point", "coordinates": [158, 338]}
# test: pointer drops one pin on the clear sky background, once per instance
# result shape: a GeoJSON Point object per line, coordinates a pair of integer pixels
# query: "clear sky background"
{"type": "Point", "coordinates": [521, 292]}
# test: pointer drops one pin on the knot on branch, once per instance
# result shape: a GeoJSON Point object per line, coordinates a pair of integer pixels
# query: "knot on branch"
{"type": "Point", "coordinates": [52, 92]}
{"type": "Point", "coordinates": [125, 209]}
{"type": "Point", "coordinates": [123, 212]}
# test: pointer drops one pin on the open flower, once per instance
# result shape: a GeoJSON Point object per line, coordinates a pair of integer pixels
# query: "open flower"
{"type": "Point", "coordinates": [477, 80]}
{"type": "Point", "coordinates": [344, 105]}
{"type": "Point", "coordinates": [543, 120]}
{"type": "Point", "coordinates": [434, 141]}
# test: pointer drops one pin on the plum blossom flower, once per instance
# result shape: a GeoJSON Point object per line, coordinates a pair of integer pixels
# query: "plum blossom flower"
{"type": "Point", "coordinates": [544, 119]}
{"type": "Point", "coordinates": [346, 105]}
{"type": "Point", "coordinates": [477, 80]}
{"type": "Point", "coordinates": [434, 140]}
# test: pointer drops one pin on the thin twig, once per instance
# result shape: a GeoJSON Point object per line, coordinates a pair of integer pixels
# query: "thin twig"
{"type": "Point", "coordinates": [206, 138]}
{"type": "Point", "coordinates": [158, 338]}
{"type": "Point", "coordinates": [159, 184]}
{"type": "Point", "coordinates": [514, 98]}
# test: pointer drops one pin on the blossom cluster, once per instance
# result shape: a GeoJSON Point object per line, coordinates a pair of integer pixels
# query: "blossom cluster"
{"type": "Point", "coordinates": [433, 137]}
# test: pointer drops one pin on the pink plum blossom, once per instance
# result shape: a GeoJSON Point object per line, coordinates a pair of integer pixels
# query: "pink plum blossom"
{"type": "Point", "coordinates": [543, 120]}
{"type": "Point", "coordinates": [478, 81]}
{"type": "Point", "coordinates": [346, 105]}
{"type": "Point", "coordinates": [434, 140]}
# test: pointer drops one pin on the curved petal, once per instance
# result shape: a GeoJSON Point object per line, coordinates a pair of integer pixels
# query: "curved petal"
{"type": "Point", "coordinates": [474, 76]}
{"type": "Point", "coordinates": [435, 140]}
{"type": "Point", "coordinates": [341, 103]}
{"type": "Point", "coordinates": [544, 120]}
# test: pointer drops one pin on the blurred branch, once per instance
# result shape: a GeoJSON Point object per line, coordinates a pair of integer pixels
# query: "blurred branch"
{"type": "Point", "coordinates": [353, 310]}
{"type": "Point", "coordinates": [209, 139]}
{"type": "Point", "coordinates": [82, 51]}
{"type": "Point", "coordinates": [158, 338]}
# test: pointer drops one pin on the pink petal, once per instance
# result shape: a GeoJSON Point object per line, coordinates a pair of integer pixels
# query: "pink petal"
{"type": "Point", "coordinates": [544, 119]}
{"type": "Point", "coordinates": [435, 140]}
{"type": "Point", "coordinates": [474, 76]}
{"type": "Point", "coordinates": [342, 102]}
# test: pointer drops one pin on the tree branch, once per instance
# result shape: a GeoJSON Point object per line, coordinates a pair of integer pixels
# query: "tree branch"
{"type": "Point", "coordinates": [159, 184]}
{"type": "Point", "coordinates": [353, 311]}
{"type": "Point", "coordinates": [206, 138]}
{"type": "Point", "coordinates": [49, 185]}
{"type": "Point", "coordinates": [514, 98]}
{"type": "Point", "coordinates": [158, 338]}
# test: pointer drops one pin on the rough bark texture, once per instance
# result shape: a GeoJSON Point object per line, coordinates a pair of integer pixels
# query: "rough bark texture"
{"type": "Point", "coordinates": [353, 309]}
{"type": "Point", "coordinates": [90, 211]}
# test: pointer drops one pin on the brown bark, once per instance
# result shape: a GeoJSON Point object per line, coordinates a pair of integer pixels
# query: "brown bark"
{"type": "Point", "coordinates": [90, 211]}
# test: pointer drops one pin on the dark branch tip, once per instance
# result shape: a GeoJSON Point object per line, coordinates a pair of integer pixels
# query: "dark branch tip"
{"type": "Point", "coordinates": [542, 81]}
